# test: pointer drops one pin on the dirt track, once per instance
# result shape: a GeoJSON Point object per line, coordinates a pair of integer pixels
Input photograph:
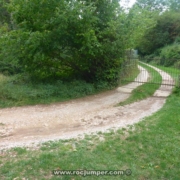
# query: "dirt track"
{"type": "Point", "coordinates": [35, 124]}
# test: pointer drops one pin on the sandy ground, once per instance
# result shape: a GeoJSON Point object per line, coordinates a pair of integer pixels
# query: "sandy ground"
{"type": "Point", "coordinates": [31, 125]}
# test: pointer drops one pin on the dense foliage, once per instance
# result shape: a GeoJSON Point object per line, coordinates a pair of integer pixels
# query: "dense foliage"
{"type": "Point", "coordinates": [160, 42]}
{"type": "Point", "coordinates": [4, 14]}
{"type": "Point", "coordinates": [165, 32]}
{"type": "Point", "coordinates": [64, 38]}
{"type": "Point", "coordinates": [171, 55]}
{"type": "Point", "coordinates": [87, 39]}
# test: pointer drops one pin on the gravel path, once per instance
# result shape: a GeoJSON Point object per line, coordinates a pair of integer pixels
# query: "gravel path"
{"type": "Point", "coordinates": [30, 125]}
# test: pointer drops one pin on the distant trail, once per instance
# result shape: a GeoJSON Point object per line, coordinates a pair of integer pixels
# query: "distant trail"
{"type": "Point", "coordinates": [23, 126]}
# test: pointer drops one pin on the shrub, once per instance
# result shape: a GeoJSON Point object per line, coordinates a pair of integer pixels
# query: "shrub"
{"type": "Point", "coordinates": [170, 54]}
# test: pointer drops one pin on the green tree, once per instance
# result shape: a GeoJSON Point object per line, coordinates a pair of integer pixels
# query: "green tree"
{"type": "Point", "coordinates": [138, 22]}
{"type": "Point", "coordinates": [67, 38]}
{"type": "Point", "coordinates": [165, 32]}
{"type": "Point", "coordinates": [174, 5]}
{"type": "Point", "coordinates": [152, 5]}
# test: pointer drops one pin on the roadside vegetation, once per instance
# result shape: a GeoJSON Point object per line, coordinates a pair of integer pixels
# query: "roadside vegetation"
{"type": "Point", "coordinates": [17, 92]}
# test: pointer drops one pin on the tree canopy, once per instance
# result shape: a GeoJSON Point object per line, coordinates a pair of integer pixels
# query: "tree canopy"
{"type": "Point", "coordinates": [66, 37]}
{"type": "Point", "coordinates": [84, 39]}
{"type": "Point", "coordinates": [164, 28]}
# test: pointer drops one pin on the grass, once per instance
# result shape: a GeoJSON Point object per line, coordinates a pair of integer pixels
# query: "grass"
{"type": "Point", "coordinates": [17, 91]}
{"type": "Point", "coordinates": [145, 90]}
{"type": "Point", "coordinates": [150, 149]}
{"type": "Point", "coordinates": [174, 72]}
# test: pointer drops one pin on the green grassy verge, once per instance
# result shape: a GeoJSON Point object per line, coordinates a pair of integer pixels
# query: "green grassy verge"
{"type": "Point", "coordinates": [145, 90]}
{"type": "Point", "coordinates": [150, 149]}
{"type": "Point", "coordinates": [17, 91]}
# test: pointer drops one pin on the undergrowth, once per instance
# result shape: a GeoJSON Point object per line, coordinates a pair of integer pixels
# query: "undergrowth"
{"type": "Point", "coordinates": [15, 91]}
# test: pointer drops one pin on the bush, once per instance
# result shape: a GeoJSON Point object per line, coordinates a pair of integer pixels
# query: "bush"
{"type": "Point", "coordinates": [10, 50]}
{"type": "Point", "coordinates": [177, 40]}
{"type": "Point", "coordinates": [148, 58]}
{"type": "Point", "coordinates": [170, 54]}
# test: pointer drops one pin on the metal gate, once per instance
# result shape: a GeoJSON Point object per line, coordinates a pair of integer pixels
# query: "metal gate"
{"type": "Point", "coordinates": [132, 68]}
